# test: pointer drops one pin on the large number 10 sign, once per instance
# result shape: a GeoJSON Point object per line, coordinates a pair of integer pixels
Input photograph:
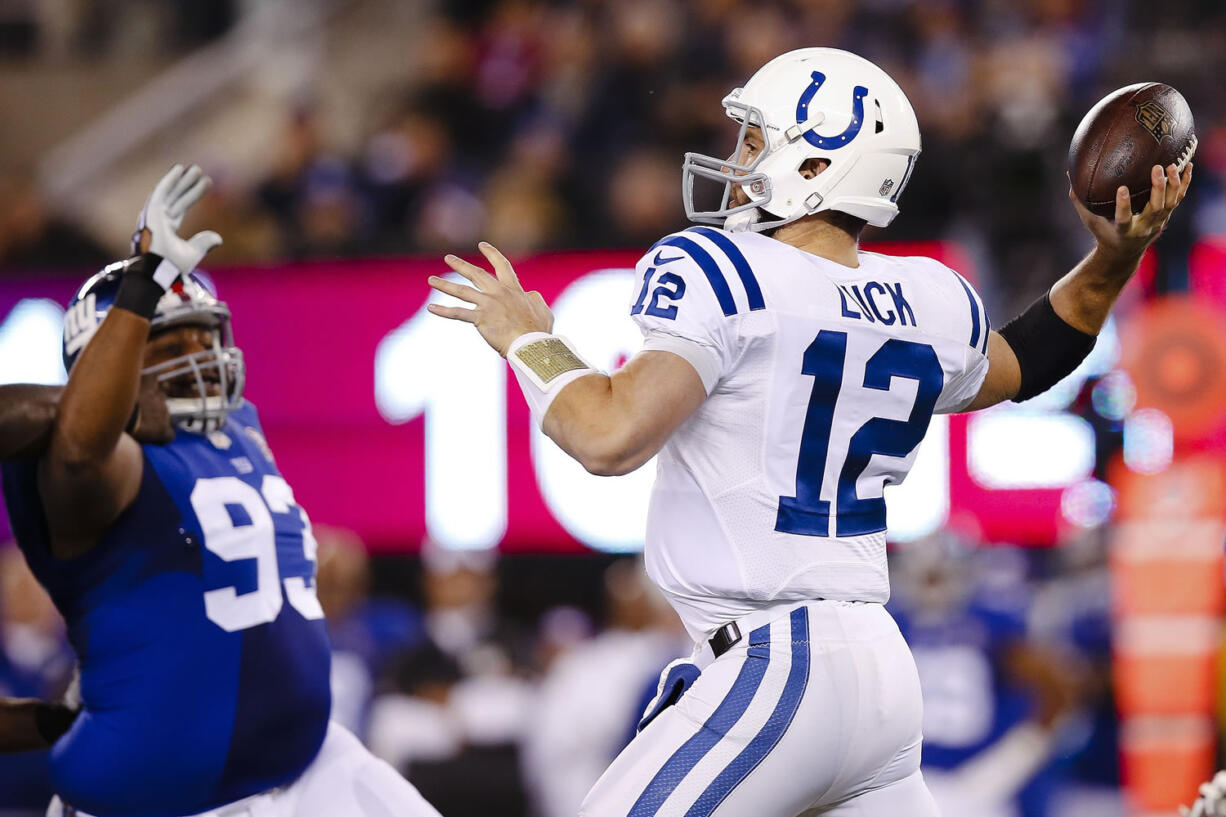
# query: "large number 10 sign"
{"type": "Point", "coordinates": [462, 395]}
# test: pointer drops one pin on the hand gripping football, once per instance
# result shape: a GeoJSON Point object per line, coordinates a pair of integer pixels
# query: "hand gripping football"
{"type": "Point", "coordinates": [1122, 138]}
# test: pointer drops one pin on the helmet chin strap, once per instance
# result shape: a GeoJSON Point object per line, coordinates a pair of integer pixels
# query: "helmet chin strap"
{"type": "Point", "coordinates": [743, 221]}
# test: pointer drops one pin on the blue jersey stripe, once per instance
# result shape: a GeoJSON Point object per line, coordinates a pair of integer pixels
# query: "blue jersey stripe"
{"type": "Point", "coordinates": [724, 718]}
{"type": "Point", "coordinates": [752, 291]}
{"type": "Point", "coordinates": [778, 722]}
{"type": "Point", "coordinates": [987, 330]}
{"type": "Point", "coordinates": [716, 278]}
{"type": "Point", "coordinates": [970, 296]}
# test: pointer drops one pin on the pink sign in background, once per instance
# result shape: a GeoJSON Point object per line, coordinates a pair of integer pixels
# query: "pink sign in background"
{"type": "Point", "coordinates": [310, 333]}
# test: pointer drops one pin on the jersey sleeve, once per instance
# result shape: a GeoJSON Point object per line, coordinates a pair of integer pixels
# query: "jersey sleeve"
{"type": "Point", "coordinates": [968, 324]}
{"type": "Point", "coordinates": [678, 304]}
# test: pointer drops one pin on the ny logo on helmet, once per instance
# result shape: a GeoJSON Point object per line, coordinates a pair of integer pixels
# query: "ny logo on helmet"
{"type": "Point", "coordinates": [80, 322]}
{"type": "Point", "coordinates": [839, 140]}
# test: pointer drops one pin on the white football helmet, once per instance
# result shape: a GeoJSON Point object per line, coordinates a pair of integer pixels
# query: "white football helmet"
{"type": "Point", "coordinates": [813, 103]}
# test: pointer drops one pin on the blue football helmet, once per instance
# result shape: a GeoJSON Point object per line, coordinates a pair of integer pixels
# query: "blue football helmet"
{"type": "Point", "coordinates": [191, 300]}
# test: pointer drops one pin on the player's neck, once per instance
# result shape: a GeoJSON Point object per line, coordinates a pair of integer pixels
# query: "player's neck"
{"type": "Point", "coordinates": [815, 235]}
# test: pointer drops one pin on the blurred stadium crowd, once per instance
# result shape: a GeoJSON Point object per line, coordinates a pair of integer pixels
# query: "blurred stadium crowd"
{"type": "Point", "coordinates": [505, 688]}
{"type": "Point", "coordinates": [547, 125]}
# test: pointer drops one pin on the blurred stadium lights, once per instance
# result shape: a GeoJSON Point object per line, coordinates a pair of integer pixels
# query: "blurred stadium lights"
{"type": "Point", "coordinates": [30, 343]}
{"type": "Point", "coordinates": [1011, 448]}
{"type": "Point", "coordinates": [1088, 504]}
{"type": "Point", "coordinates": [1149, 441]}
{"type": "Point", "coordinates": [1114, 396]}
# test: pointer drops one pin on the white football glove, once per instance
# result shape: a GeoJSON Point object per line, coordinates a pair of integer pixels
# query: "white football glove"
{"type": "Point", "coordinates": [1212, 800]}
{"type": "Point", "coordinates": [163, 215]}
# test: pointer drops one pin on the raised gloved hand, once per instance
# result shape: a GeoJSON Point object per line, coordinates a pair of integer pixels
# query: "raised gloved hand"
{"type": "Point", "coordinates": [163, 254]}
{"type": "Point", "coordinates": [158, 229]}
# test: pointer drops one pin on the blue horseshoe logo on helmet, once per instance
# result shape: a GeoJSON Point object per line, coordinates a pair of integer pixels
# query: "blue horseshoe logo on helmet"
{"type": "Point", "coordinates": [857, 115]}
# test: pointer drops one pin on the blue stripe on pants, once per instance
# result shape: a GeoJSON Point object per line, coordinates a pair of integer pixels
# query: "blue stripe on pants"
{"type": "Point", "coordinates": [778, 722]}
{"type": "Point", "coordinates": [724, 718]}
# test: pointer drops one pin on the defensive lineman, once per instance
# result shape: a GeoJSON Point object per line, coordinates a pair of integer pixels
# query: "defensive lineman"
{"type": "Point", "coordinates": [785, 379]}
{"type": "Point", "coordinates": [185, 571]}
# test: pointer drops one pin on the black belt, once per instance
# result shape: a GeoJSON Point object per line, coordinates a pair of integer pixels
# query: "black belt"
{"type": "Point", "coordinates": [725, 638]}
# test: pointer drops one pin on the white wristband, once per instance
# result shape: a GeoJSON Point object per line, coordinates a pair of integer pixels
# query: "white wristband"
{"type": "Point", "coordinates": [544, 364]}
{"type": "Point", "coordinates": [165, 274]}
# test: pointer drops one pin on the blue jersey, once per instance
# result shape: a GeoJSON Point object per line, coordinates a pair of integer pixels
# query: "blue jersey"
{"type": "Point", "coordinates": [203, 649]}
{"type": "Point", "coordinates": [968, 704]}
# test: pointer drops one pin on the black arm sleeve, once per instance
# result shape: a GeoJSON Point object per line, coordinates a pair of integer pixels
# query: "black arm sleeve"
{"type": "Point", "coordinates": [1047, 348]}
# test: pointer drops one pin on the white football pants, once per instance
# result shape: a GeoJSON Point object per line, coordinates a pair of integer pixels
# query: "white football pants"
{"type": "Point", "coordinates": [344, 780]}
{"type": "Point", "coordinates": [815, 711]}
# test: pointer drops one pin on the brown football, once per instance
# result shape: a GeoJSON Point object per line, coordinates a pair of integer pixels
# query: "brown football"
{"type": "Point", "coordinates": [1122, 138]}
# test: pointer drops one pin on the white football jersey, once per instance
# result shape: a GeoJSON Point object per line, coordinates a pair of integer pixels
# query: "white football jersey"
{"type": "Point", "coordinates": [821, 381]}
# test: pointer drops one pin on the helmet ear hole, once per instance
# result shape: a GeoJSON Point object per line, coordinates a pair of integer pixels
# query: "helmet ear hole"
{"type": "Point", "coordinates": [812, 166]}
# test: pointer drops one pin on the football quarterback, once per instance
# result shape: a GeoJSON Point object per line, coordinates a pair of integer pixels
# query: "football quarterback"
{"type": "Point", "coordinates": [786, 378]}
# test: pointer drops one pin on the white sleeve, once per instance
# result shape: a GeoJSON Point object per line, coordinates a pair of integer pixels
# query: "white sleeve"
{"type": "Point", "coordinates": [964, 387]}
{"type": "Point", "coordinates": [677, 309]}
{"type": "Point", "coordinates": [969, 324]}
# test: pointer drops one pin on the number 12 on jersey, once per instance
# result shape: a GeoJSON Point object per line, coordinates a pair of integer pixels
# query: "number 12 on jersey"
{"type": "Point", "coordinates": [806, 513]}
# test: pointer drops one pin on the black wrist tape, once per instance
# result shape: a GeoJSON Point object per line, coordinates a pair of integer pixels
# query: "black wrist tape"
{"type": "Point", "coordinates": [138, 292]}
{"type": "Point", "coordinates": [1047, 348]}
{"type": "Point", "coordinates": [53, 720]}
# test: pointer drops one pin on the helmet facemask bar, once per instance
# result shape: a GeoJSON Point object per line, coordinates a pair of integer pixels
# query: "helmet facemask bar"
{"type": "Point", "coordinates": [729, 171]}
{"type": "Point", "coordinates": [203, 412]}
